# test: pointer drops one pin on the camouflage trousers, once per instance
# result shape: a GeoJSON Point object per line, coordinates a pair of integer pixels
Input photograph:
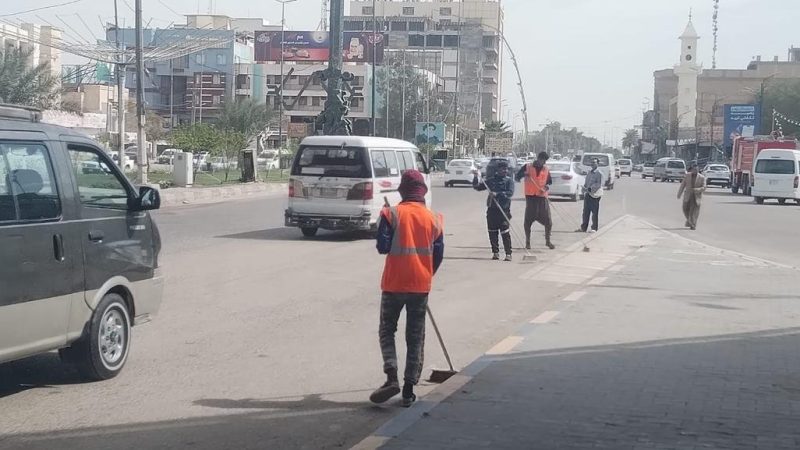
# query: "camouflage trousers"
{"type": "Point", "coordinates": [391, 306]}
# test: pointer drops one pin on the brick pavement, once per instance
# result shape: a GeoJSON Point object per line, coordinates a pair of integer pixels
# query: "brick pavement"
{"type": "Point", "coordinates": [665, 344]}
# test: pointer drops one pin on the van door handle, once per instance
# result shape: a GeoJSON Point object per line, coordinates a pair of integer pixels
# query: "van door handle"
{"type": "Point", "coordinates": [96, 236]}
{"type": "Point", "coordinates": [58, 247]}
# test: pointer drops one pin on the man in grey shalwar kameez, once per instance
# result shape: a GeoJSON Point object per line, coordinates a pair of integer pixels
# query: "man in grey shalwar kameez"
{"type": "Point", "coordinates": [692, 188]}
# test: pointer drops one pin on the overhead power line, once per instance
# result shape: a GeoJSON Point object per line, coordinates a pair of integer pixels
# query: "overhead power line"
{"type": "Point", "coordinates": [71, 2]}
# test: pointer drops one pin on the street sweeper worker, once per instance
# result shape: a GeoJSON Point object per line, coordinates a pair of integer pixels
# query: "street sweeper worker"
{"type": "Point", "coordinates": [412, 238]}
{"type": "Point", "coordinates": [537, 206]}
{"type": "Point", "coordinates": [498, 207]}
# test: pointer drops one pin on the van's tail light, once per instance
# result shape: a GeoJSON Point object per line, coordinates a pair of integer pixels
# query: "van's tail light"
{"type": "Point", "coordinates": [296, 189]}
{"type": "Point", "coordinates": [566, 177]}
{"type": "Point", "coordinates": [796, 182]}
{"type": "Point", "coordinates": [361, 191]}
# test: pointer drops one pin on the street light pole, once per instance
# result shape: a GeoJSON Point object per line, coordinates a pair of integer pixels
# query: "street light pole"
{"type": "Point", "coordinates": [141, 141]}
{"type": "Point", "coordinates": [280, 89]}
{"type": "Point", "coordinates": [374, 62]}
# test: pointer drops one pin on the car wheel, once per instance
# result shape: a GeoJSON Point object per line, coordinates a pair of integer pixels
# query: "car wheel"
{"type": "Point", "coordinates": [102, 352]}
{"type": "Point", "coordinates": [781, 201]}
{"type": "Point", "coordinates": [574, 197]}
{"type": "Point", "coordinates": [309, 231]}
{"type": "Point", "coordinates": [654, 179]}
{"type": "Point", "coordinates": [760, 200]}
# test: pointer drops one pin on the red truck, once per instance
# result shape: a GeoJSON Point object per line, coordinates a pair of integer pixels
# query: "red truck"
{"type": "Point", "coordinates": [745, 150]}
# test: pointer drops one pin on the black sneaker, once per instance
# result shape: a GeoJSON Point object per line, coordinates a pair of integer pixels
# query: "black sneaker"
{"type": "Point", "coordinates": [408, 401]}
{"type": "Point", "coordinates": [550, 245]}
{"type": "Point", "coordinates": [508, 257]}
{"type": "Point", "coordinates": [385, 392]}
{"type": "Point", "coordinates": [495, 256]}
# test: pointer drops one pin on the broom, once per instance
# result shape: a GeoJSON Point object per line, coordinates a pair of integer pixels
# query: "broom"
{"type": "Point", "coordinates": [437, 375]}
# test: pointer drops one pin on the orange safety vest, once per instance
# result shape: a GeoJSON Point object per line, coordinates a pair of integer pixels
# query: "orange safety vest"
{"type": "Point", "coordinates": [534, 184]}
{"type": "Point", "coordinates": [409, 264]}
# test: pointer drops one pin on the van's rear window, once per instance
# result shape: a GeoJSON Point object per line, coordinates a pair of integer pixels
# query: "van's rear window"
{"type": "Point", "coordinates": [345, 162]}
{"type": "Point", "coordinates": [602, 160]}
{"type": "Point", "coordinates": [676, 165]}
{"type": "Point", "coordinates": [775, 166]}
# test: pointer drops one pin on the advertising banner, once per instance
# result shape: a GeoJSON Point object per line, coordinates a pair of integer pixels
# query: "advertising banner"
{"type": "Point", "coordinates": [314, 46]}
{"type": "Point", "coordinates": [498, 142]}
{"type": "Point", "coordinates": [430, 133]}
{"type": "Point", "coordinates": [740, 120]}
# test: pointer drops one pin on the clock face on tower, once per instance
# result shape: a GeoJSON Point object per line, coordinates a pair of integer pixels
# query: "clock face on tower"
{"type": "Point", "coordinates": [688, 57]}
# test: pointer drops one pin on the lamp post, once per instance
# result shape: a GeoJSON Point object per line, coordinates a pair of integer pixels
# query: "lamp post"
{"type": "Point", "coordinates": [374, 62]}
{"type": "Point", "coordinates": [280, 91]}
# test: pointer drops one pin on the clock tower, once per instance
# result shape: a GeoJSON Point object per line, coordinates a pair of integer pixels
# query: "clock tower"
{"type": "Point", "coordinates": [687, 71]}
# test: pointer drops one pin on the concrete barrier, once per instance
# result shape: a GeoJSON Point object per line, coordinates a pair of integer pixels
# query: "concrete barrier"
{"type": "Point", "coordinates": [195, 195]}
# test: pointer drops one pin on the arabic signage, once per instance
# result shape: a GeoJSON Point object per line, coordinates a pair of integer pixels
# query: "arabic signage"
{"type": "Point", "coordinates": [740, 120]}
{"type": "Point", "coordinates": [498, 142]}
{"type": "Point", "coordinates": [314, 46]}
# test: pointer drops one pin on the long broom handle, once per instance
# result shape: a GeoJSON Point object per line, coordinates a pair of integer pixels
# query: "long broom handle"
{"type": "Point", "coordinates": [439, 335]}
{"type": "Point", "coordinates": [505, 216]}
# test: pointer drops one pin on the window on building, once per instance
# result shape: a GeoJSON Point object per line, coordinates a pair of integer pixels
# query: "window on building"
{"type": "Point", "coordinates": [408, 10]}
{"type": "Point", "coordinates": [217, 100]}
{"type": "Point", "coordinates": [222, 59]}
{"type": "Point", "coordinates": [399, 26]}
{"type": "Point", "coordinates": [277, 101]}
{"type": "Point", "coordinates": [445, 11]}
{"type": "Point", "coordinates": [488, 41]}
{"type": "Point", "coordinates": [355, 102]}
{"type": "Point", "coordinates": [434, 40]}
{"type": "Point", "coordinates": [353, 25]}
{"type": "Point", "coordinates": [200, 58]}
{"type": "Point", "coordinates": [302, 101]}
{"type": "Point", "coordinates": [358, 81]}
{"type": "Point", "coordinates": [367, 10]}
{"type": "Point", "coordinates": [315, 101]}
{"type": "Point", "coordinates": [28, 191]}
{"type": "Point", "coordinates": [316, 81]}
{"type": "Point", "coordinates": [198, 78]}
{"type": "Point", "coordinates": [416, 40]}
{"type": "Point", "coordinates": [450, 40]}
{"type": "Point", "coordinates": [416, 26]}
{"type": "Point", "coordinates": [303, 79]}
{"type": "Point", "coordinates": [216, 79]}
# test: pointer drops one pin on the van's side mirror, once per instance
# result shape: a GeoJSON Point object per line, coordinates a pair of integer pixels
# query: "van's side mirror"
{"type": "Point", "coordinates": [148, 199]}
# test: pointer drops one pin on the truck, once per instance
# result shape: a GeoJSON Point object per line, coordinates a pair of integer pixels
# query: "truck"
{"type": "Point", "coordinates": [745, 151]}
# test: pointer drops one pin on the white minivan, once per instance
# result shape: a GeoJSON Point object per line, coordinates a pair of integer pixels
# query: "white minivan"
{"type": "Point", "coordinates": [777, 175]}
{"type": "Point", "coordinates": [339, 182]}
{"type": "Point", "coordinates": [605, 164]}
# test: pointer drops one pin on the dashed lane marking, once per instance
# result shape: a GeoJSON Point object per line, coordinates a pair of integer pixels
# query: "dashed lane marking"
{"type": "Point", "coordinates": [616, 268]}
{"type": "Point", "coordinates": [598, 280]}
{"type": "Point", "coordinates": [505, 346]}
{"type": "Point", "coordinates": [575, 296]}
{"type": "Point", "coordinates": [545, 317]}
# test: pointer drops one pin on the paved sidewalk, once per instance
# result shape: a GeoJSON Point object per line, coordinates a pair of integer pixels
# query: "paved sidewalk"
{"type": "Point", "coordinates": [663, 344]}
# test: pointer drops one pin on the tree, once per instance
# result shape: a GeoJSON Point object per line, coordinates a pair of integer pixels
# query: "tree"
{"type": "Point", "coordinates": [782, 96]}
{"type": "Point", "coordinates": [249, 118]}
{"type": "Point", "coordinates": [23, 84]}
{"type": "Point", "coordinates": [495, 126]}
{"type": "Point", "coordinates": [556, 139]}
{"type": "Point", "coordinates": [196, 138]}
{"type": "Point", "coordinates": [631, 139]}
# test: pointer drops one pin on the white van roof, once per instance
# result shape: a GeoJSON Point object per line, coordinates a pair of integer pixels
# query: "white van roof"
{"type": "Point", "coordinates": [779, 153]}
{"type": "Point", "coordinates": [357, 141]}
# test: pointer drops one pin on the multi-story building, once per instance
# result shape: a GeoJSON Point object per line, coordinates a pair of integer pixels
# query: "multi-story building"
{"type": "Point", "coordinates": [42, 41]}
{"type": "Point", "coordinates": [459, 41]}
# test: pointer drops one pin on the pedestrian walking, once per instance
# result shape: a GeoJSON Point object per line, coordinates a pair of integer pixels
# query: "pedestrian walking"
{"type": "Point", "coordinates": [537, 205]}
{"type": "Point", "coordinates": [412, 238]}
{"type": "Point", "coordinates": [692, 188]}
{"type": "Point", "coordinates": [498, 208]}
{"type": "Point", "coordinates": [592, 193]}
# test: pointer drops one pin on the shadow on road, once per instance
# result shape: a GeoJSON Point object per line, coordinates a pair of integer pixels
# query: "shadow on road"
{"type": "Point", "coordinates": [294, 234]}
{"type": "Point", "coordinates": [36, 372]}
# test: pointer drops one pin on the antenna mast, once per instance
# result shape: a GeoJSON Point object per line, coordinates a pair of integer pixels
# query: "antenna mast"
{"type": "Point", "coordinates": [715, 28]}
{"type": "Point", "coordinates": [323, 21]}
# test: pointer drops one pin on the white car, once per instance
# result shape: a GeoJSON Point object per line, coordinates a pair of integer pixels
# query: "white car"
{"type": "Point", "coordinates": [459, 171]}
{"type": "Point", "coordinates": [567, 180]}
{"type": "Point", "coordinates": [777, 176]}
{"type": "Point", "coordinates": [647, 169]}
{"type": "Point", "coordinates": [167, 156]}
{"type": "Point", "coordinates": [625, 167]}
{"type": "Point", "coordinates": [718, 174]}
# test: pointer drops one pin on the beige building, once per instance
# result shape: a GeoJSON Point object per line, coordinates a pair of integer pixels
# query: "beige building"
{"type": "Point", "coordinates": [41, 40]}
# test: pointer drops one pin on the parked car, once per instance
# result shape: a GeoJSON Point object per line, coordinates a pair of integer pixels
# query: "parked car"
{"type": "Point", "coordinates": [167, 156]}
{"type": "Point", "coordinates": [459, 171]}
{"type": "Point", "coordinates": [717, 174]}
{"type": "Point", "coordinates": [777, 176]}
{"type": "Point", "coordinates": [219, 163]}
{"type": "Point", "coordinates": [669, 169]}
{"type": "Point", "coordinates": [625, 167]}
{"type": "Point", "coordinates": [647, 169]}
{"type": "Point", "coordinates": [339, 182]}
{"type": "Point", "coordinates": [567, 180]}
{"type": "Point", "coordinates": [79, 251]}
{"type": "Point", "coordinates": [199, 160]}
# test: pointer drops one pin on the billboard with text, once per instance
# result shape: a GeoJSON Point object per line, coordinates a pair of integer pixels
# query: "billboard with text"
{"type": "Point", "coordinates": [740, 120]}
{"type": "Point", "coordinates": [314, 46]}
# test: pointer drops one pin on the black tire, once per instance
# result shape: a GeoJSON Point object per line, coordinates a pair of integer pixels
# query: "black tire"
{"type": "Point", "coordinates": [573, 198]}
{"type": "Point", "coordinates": [644, 177]}
{"type": "Point", "coordinates": [735, 189]}
{"type": "Point", "coordinates": [760, 200]}
{"type": "Point", "coordinates": [309, 231]}
{"type": "Point", "coordinates": [110, 323]}
{"type": "Point", "coordinates": [781, 201]}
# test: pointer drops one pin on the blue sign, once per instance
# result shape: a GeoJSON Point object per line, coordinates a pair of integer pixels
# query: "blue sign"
{"type": "Point", "coordinates": [430, 133]}
{"type": "Point", "coordinates": [741, 120]}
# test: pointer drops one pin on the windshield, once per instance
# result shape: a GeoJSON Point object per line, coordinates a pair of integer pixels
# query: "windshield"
{"type": "Point", "coordinates": [624, 162]}
{"type": "Point", "coordinates": [676, 165]}
{"type": "Point", "coordinates": [649, 164]}
{"type": "Point", "coordinates": [602, 160]}
{"type": "Point", "coordinates": [718, 168]}
{"type": "Point", "coordinates": [559, 167]}
{"type": "Point", "coordinates": [461, 163]}
{"type": "Point", "coordinates": [775, 166]}
{"type": "Point", "coordinates": [331, 162]}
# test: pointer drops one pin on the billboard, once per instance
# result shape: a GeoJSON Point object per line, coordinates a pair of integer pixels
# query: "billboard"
{"type": "Point", "coordinates": [498, 142]}
{"type": "Point", "coordinates": [740, 120]}
{"type": "Point", "coordinates": [430, 133]}
{"type": "Point", "coordinates": [314, 46]}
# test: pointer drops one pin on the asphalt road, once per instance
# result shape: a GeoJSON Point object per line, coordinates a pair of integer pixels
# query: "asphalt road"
{"type": "Point", "coordinates": [268, 340]}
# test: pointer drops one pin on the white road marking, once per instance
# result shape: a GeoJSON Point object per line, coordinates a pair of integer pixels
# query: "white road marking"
{"type": "Point", "coordinates": [616, 268]}
{"type": "Point", "coordinates": [505, 346]}
{"type": "Point", "coordinates": [630, 258]}
{"type": "Point", "coordinates": [545, 317]}
{"type": "Point", "coordinates": [575, 296]}
{"type": "Point", "coordinates": [598, 280]}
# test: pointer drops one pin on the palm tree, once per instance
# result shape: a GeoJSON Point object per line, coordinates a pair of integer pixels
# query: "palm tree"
{"type": "Point", "coordinates": [495, 126]}
{"type": "Point", "coordinates": [24, 84]}
{"type": "Point", "coordinates": [631, 139]}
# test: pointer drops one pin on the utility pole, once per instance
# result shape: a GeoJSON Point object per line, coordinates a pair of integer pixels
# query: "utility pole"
{"type": "Point", "coordinates": [120, 69]}
{"type": "Point", "coordinates": [280, 89]}
{"type": "Point", "coordinates": [374, 62]}
{"type": "Point", "coordinates": [140, 136]}
{"type": "Point", "coordinates": [458, 76]}
{"type": "Point", "coordinates": [333, 118]}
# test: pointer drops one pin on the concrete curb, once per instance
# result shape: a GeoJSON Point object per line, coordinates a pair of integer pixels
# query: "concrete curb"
{"type": "Point", "coordinates": [198, 195]}
{"type": "Point", "coordinates": [403, 421]}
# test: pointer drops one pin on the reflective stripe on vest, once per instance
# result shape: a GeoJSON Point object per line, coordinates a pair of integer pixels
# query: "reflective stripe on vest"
{"type": "Point", "coordinates": [534, 184]}
{"type": "Point", "coordinates": [409, 264]}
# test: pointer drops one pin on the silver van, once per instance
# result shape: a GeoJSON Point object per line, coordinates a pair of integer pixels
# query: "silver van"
{"type": "Point", "coordinates": [669, 169]}
{"type": "Point", "coordinates": [78, 249]}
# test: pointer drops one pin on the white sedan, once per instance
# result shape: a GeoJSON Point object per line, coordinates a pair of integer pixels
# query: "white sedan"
{"type": "Point", "coordinates": [567, 180]}
{"type": "Point", "coordinates": [459, 171]}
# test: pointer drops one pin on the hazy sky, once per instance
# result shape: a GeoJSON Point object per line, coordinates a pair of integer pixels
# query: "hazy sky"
{"type": "Point", "coordinates": [585, 63]}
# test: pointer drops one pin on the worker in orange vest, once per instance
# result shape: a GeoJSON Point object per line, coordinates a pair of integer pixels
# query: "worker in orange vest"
{"type": "Point", "coordinates": [537, 206]}
{"type": "Point", "coordinates": [411, 236]}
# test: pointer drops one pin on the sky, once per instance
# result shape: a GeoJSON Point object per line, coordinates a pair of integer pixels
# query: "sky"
{"type": "Point", "coordinates": [584, 63]}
